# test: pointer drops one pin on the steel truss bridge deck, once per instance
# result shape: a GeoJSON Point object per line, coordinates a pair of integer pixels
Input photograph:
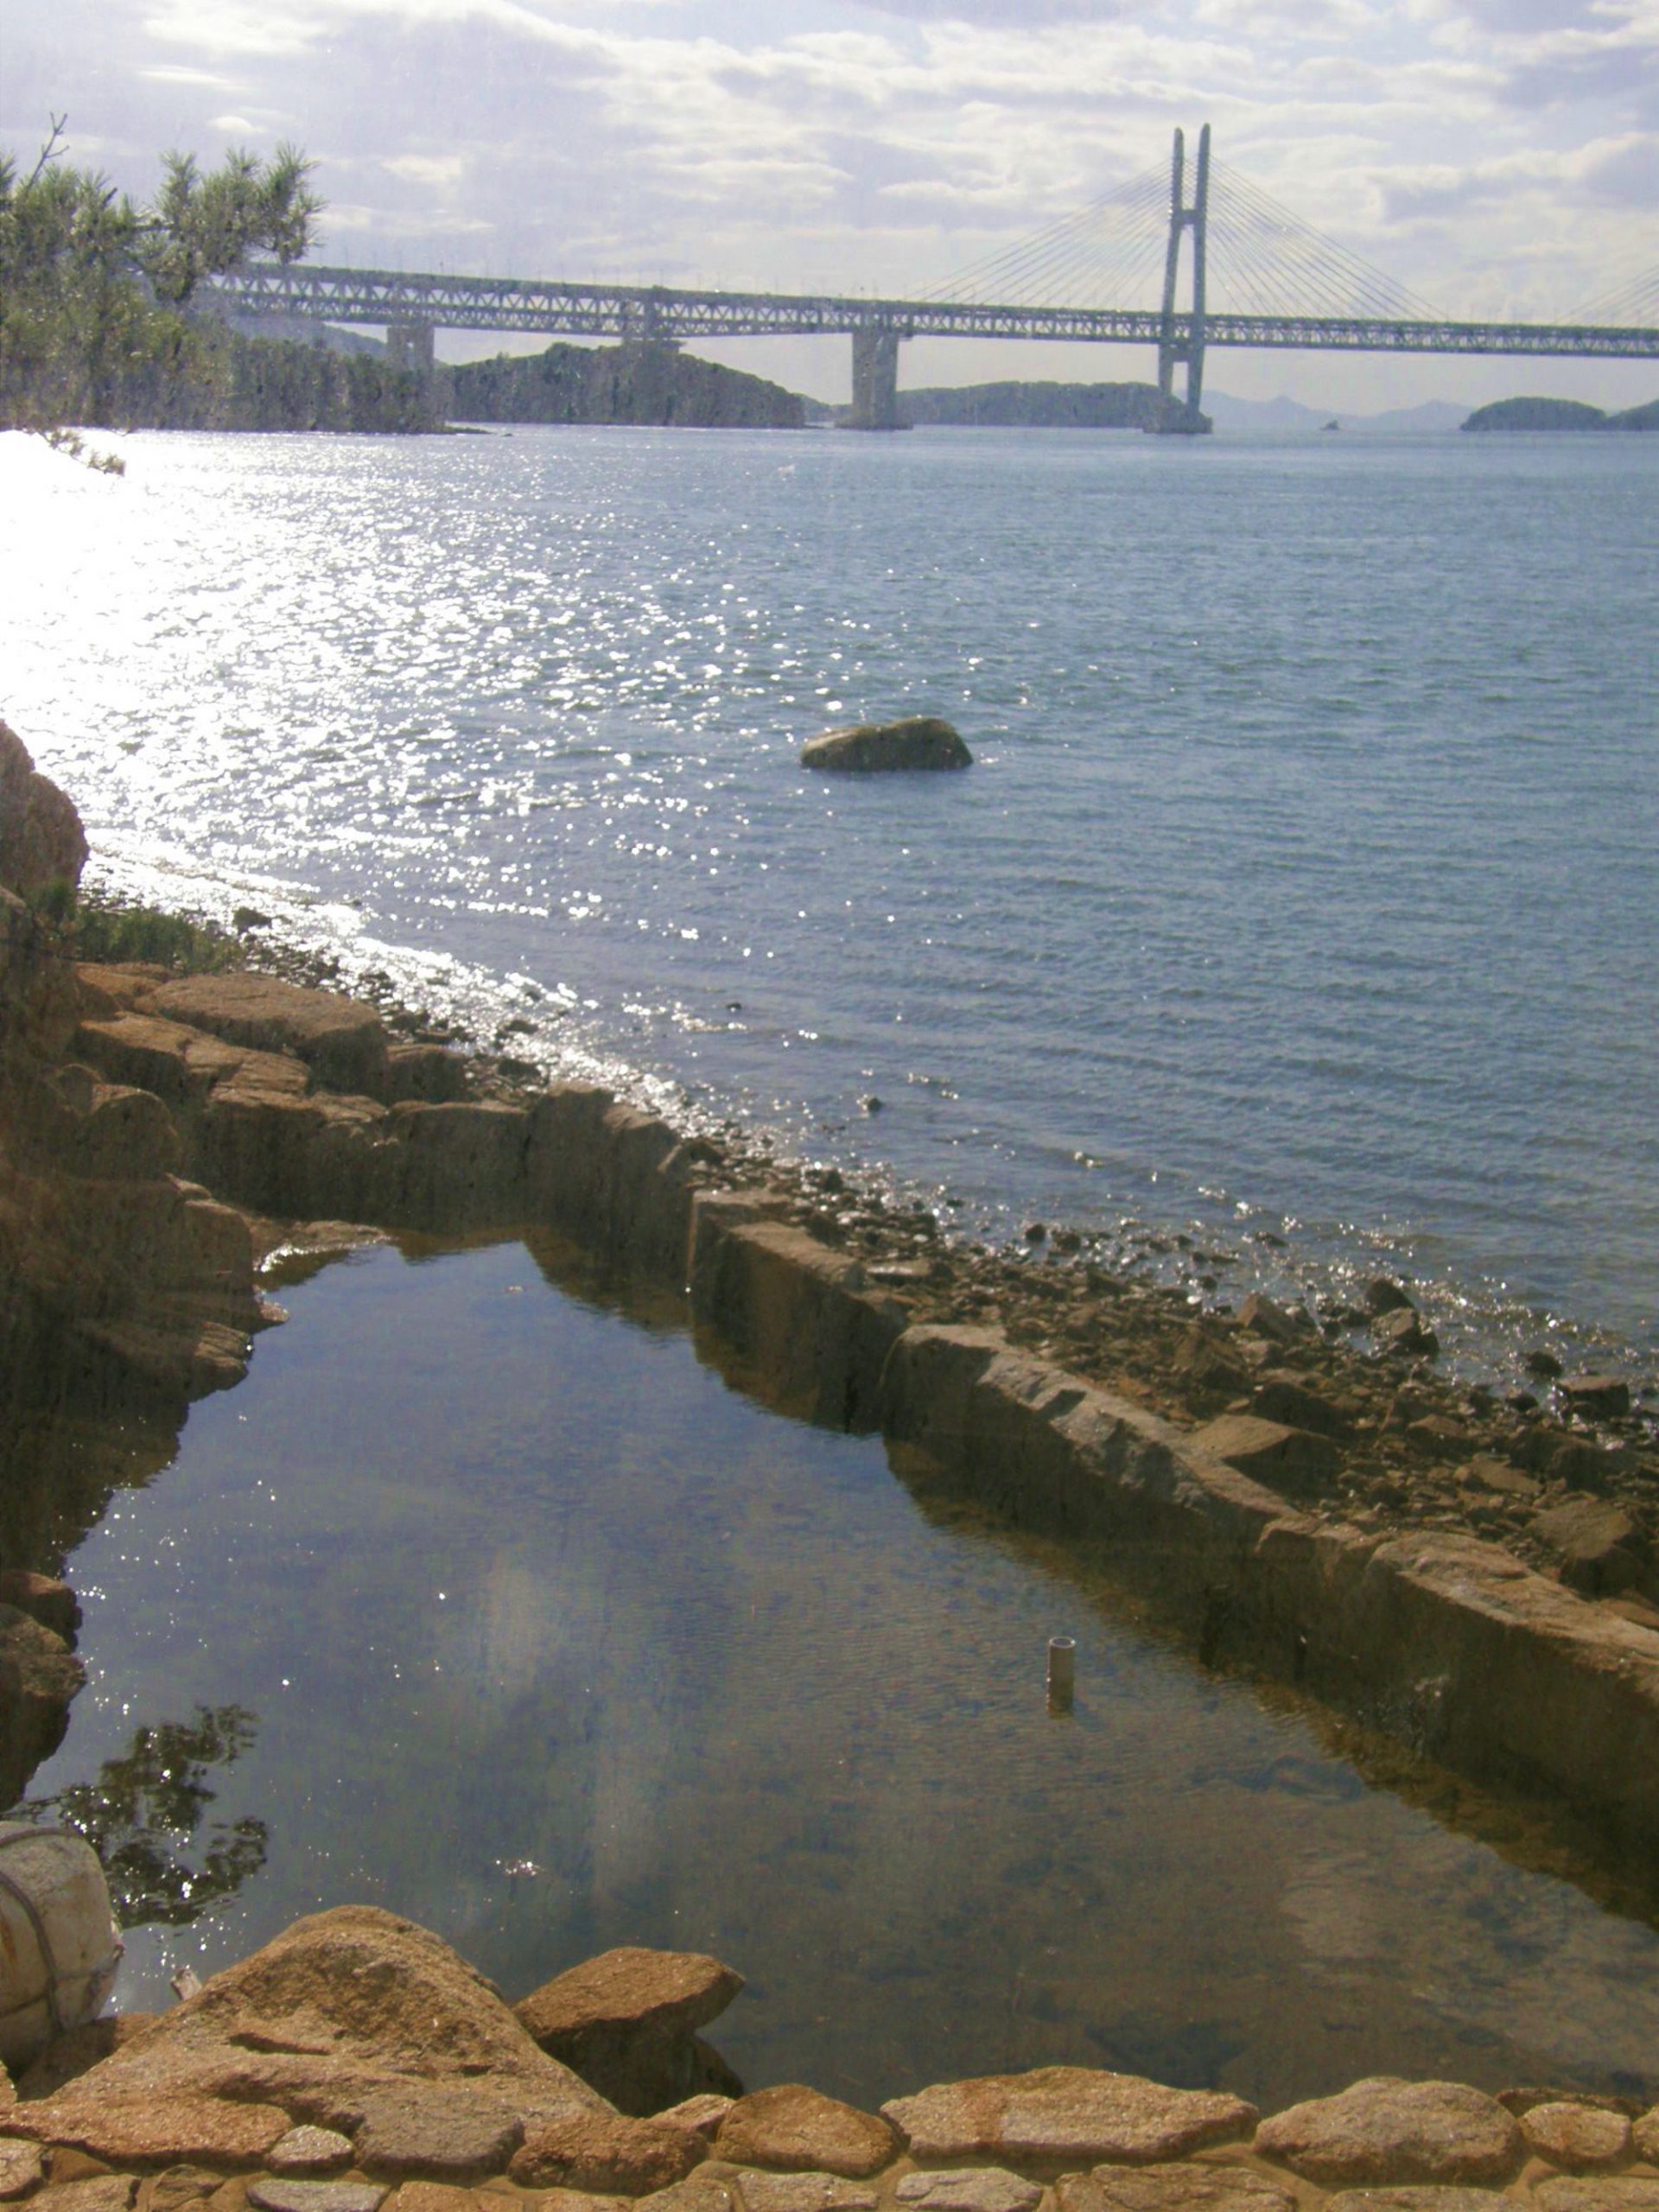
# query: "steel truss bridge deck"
{"type": "Point", "coordinates": [383, 295]}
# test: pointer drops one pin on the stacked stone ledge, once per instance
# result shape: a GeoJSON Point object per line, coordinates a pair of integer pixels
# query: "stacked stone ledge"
{"type": "Point", "coordinates": [356, 2064]}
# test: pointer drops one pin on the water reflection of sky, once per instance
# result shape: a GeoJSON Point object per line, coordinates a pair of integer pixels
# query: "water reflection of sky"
{"type": "Point", "coordinates": [554, 1642]}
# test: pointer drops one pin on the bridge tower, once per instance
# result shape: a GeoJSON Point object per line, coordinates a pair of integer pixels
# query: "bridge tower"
{"type": "Point", "coordinates": [875, 379]}
{"type": "Point", "coordinates": [1175, 344]}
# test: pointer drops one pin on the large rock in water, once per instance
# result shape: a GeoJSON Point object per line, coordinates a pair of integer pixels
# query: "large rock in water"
{"type": "Point", "coordinates": [352, 2020]}
{"type": "Point", "coordinates": [868, 749]}
{"type": "Point", "coordinates": [626, 2023]}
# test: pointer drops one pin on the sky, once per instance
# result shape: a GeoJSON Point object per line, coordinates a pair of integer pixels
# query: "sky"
{"type": "Point", "coordinates": [1500, 158]}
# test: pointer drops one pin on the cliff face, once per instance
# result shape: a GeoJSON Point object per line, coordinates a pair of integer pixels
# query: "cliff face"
{"type": "Point", "coordinates": [646, 385]}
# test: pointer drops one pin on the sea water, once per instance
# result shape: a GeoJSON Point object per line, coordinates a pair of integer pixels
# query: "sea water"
{"type": "Point", "coordinates": [1304, 898]}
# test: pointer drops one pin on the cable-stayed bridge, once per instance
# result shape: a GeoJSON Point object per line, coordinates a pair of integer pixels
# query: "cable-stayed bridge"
{"type": "Point", "coordinates": [1255, 276]}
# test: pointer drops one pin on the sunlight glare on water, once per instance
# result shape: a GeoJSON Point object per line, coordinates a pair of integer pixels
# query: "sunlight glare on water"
{"type": "Point", "coordinates": [1306, 880]}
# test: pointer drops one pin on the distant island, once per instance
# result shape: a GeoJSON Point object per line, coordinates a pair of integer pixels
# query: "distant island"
{"type": "Point", "coordinates": [1560, 414]}
{"type": "Point", "coordinates": [649, 384]}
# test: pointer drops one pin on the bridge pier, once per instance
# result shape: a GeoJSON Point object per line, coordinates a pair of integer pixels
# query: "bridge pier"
{"type": "Point", "coordinates": [876, 381]}
{"type": "Point", "coordinates": [411, 345]}
{"type": "Point", "coordinates": [1175, 344]}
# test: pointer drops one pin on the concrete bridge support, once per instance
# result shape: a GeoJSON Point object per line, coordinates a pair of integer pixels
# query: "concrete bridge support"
{"type": "Point", "coordinates": [409, 346]}
{"type": "Point", "coordinates": [876, 381]}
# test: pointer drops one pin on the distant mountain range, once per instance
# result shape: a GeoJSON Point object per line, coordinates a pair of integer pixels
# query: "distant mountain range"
{"type": "Point", "coordinates": [1283, 413]}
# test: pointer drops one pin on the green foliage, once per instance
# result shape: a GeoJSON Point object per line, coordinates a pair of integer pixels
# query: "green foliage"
{"type": "Point", "coordinates": [91, 285]}
{"type": "Point", "coordinates": [113, 931]}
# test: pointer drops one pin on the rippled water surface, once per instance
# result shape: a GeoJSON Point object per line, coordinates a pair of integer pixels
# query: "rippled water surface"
{"type": "Point", "coordinates": [1307, 880]}
{"type": "Point", "coordinates": [486, 1602]}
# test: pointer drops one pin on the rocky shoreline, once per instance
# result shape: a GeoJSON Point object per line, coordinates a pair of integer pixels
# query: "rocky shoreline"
{"type": "Point", "coordinates": [356, 2063]}
{"type": "Point", "coordinates": [1476, 1578]}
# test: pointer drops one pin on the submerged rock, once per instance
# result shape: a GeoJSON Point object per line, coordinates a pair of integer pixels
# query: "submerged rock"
{"type": "Point", "coordinates": [866, 749]}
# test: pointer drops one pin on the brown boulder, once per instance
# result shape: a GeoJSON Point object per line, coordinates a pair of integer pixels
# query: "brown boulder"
{"type": "Point", "coordinates": [1578, 2136]}
{"type": "Point", "coordinates": [68, 2056]}
{"type": "Point", "coordinates": [875, 748]}
{"type": "Point", "coordinates": [42, 842]}
{"type": "Point", "coordinates": [1599, 1397]}
{"type": "Point", "coordinates": [348, 2019]}
{"type": "Point", "coordinates": [624, 2022]}
{"type": "Point", "coordinates": [125, 1133]}
{"type": "Point", "coordinates": [1065, 2115]}
{"type": "Point", "coordinates": [792, 2129]}
{"type": "Point", "coordinates": [20, 2167]}
{"type": "Point", "coordinates": [54, 1604]}
{"type": "Point", "coordinates": [1385, 2130]}
{"type": "Point", "coordinates": [1404, 1332]}
{"type": "Point", "coordinates": [607, 2152]}
{"type": "Point", "coordinates": [39, 1677]}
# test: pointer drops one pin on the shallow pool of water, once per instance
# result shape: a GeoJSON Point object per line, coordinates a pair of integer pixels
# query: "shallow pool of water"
{"type": "Point", "coordinates": [486, 1601]}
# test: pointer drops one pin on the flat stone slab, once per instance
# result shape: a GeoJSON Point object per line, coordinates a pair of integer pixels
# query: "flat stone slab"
{"type": "Point", "coordinates": [632, 1987]}
{"type": "Point", "coordinates": [436, 2130]}
{"type": "Point", "coordinates": [287, 2193]}
{"type": "Point", "coordinates": [970, 2188]}
{"type": "Point", "coordinates": [760, 2192]}
{"type": "Point", "coordinates": [165, 2129]}
{"type": "Point", "coordinates": [606, 2152]}
{"type": "Point", "coordinates": [793, 2129]}
{"type": "Point", "coordinates": [1385, 2130]}
{"type": "Point", "coordinates": [875, 748]}
{"type": "Point", "coordinates": [1578, 2136]}
{"type": "Point", "coordinates": [310, 2151]}
{"type": "Point", "coordinates": [1175, 2188]}
{"type": "Point", "coordinates": [1066, 2114]}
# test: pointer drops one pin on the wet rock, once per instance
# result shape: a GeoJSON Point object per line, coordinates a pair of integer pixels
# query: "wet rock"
{"type": "Point", "coordinates": [625, 2022]}
{"type": "Point", "coordinates": [705, 2189]}
{"type": "Point", "coordinates": [1601, 1550]}
{"type": "Point", "coordinates": [607, 2152]}
{"type": "Point", "coordinates": [1063, 2114]}
{"type": "Point", "coordinates": [1293, 1461]}
{"type": "Point", "coordinates": [310, 2151]}
{"type": "Point", "coordinates": [793, 2129]}
{"type": "Point", "coordinates": [21, 2168]}
{"type": "Point", "coordinates": [1178, 2188]}
{"type": "Point", "coordinates": [1384, 1295]}
{"type": "Point", "coordinates": [866, 748]}
{"type": "Point", "coordinates": [1597, 1397]}
{"type": "Point", "coordinates": [808, 2192]}
{"type": "Point", "coordinates": [1385, 2130]}
{"type": "Point", "coordinates": [1578, 2136]}
{"type": "Point", "coordinates": [1543, 1366]}
{"type": "Point", "coordinates": [288, 2193]}
{"type": "Point", "coordinates": [1260, 1316]}
{"type": "Point", "coordinates": [53, 1603]}
{"type": "Point", "coordinates": [1405, 1334]}
{"type": "Point", "coordinates": [970, 2188]}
